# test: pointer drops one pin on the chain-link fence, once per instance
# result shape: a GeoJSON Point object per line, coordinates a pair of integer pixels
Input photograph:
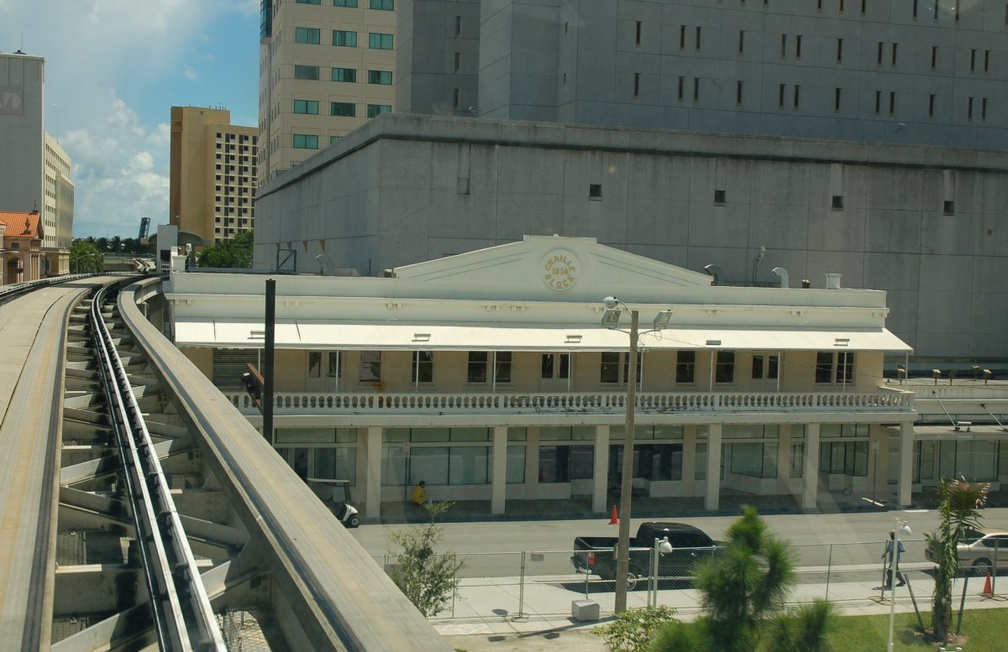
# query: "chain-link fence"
{"type": "Point", "coordinates": [524, 584]}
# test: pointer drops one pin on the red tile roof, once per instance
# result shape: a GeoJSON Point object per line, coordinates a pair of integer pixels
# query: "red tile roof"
{"type": "Point", "coordinates": [22, 225]}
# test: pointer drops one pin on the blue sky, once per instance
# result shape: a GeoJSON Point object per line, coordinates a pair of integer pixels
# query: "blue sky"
{"type": "Point", "coordinates": [114, 69]}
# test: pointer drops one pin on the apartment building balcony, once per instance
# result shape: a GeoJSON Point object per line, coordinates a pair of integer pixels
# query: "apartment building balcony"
{"type": "Point", "coordinates": [598, 407]}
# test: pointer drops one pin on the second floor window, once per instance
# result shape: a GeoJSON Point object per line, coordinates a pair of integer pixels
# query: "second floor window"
{"type": "Point", "coordinates": [383, 77]}
{"type": "Point", "coordinates": [555, 365]}
{"type": "Point", "coordinates": [383, 5]}
{"type": "Point", "coordinates": [306, 72]}
{"type": "Point", "coordinates": [423, 367]}
{"type": "Point", "coordinates": [724, 367]}
{"type": "Point", "coordinates": [479, 365]}
{"type": "Point", "coordinates": [477, 369]}
{"type": "Point", "coordinates": [344, 74]}
{"type": "Point", "coordinates": [765, 366]}
{"type": "Point", "coordinates": [834, 367]}
{"type": "Point", "coordinates": [370, 366]}
{"type": "Point", "coordinates": [375, 110]}
{"type": "Point", "coordinates": [309, 107]}
{"type": "Point", "coordinates": [615, 368]}
{"type": "Point", "coordinates": [305, 141]}
{"type": "Point", "coordinates": [685, 369]}
{"type": "Point", "coordinates": [344, 109]}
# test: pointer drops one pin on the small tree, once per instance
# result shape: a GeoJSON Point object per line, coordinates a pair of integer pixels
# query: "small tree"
{"type": "Point", "coordinates": [85, 257]}
{"type": "Point", "coordinates": [235, 253]}
{"type": "Point", "coordinates": [427, 578]}
{"type": "Point", "coordinates": [959, 512]}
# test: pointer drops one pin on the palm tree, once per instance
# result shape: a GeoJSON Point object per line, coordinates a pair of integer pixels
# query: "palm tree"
{"type": "Point", "coordinates": [744, 590]}
{"type": "Point", "coordinates": [959, 511]}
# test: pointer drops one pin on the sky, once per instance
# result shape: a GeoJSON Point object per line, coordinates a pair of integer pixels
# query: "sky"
{"type": "Point", "coordinates": [113, 70]}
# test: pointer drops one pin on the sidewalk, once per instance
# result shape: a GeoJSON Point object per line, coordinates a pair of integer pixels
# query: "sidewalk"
{"type": "Point", "coordinates": [485, 616]}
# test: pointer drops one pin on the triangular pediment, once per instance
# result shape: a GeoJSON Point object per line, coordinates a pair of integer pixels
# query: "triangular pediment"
{"type": "Point", "coordinates": [544, 267]}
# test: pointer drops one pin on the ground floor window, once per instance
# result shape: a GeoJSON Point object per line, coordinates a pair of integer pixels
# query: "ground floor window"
{"type": "Point", "coordinates": [659, 461]}
{"type": "Point", "coordinates": [977, 461]}
{"type": "Point", "coordinates": [564, 463]}
{"type": "Point", "coordinates": [753, 459]}
{"type": "Point", "coordinates": [843, 457]}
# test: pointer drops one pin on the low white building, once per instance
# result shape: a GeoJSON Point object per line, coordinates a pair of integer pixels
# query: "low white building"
{"type": "Point", "coordinates": [490, 376]}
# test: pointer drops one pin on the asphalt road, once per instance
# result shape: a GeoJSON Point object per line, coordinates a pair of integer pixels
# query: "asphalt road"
{"type": "Point", "coordinates": [494, 548]}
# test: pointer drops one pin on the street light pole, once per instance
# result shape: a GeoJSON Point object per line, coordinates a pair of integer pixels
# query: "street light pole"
{"type": "Point", "coordinates": [901, 527]}
{"type": "Point", "coordinates": [626, 484]}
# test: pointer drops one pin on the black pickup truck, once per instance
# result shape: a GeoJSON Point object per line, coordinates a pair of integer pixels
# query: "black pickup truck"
{"type": "Point", "coordinates": [689, 544]}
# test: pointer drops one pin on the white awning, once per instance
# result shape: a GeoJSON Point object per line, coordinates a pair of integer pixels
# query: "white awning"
{"type": "Point", "coordinates": [208, 332]}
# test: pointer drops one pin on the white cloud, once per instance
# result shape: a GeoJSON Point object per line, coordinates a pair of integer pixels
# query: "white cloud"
{"type": "Point", "coordinates": [190, 73]}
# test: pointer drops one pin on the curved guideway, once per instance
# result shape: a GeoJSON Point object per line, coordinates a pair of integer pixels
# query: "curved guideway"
{"type": "Point", "coordinates": [32, 342]}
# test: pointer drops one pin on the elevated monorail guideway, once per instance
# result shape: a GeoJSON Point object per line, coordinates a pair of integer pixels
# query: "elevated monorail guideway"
{"type": "Point", "coordinates": [32, 336]}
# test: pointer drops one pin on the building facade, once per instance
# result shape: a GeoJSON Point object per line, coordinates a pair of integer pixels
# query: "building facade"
{"type": "Point", "coordinates": [34, 169]}
{"type": "Point", "coordinates": [325, 67]}
{"type": "Point", "coordinates": [924, 224]}
{"type": "Point", "coordinates": [22, 253]}
{"type": "Point", "coordinates": [212, 181]}
{"type": "Point", "coordinates": [908, 72]}
{"type": "Point", "coordinates": [490, 376]}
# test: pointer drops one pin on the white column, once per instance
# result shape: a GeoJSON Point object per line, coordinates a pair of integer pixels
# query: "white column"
{"type": "Point", "coordinates": [906, 463]}
{"type": "Point", "coordinates": [499, 486]}
{"type": "Point", "coordinates": [372, 483]}
{"type": "Point", "coordinates": [810, 496]}
{"type": "Point", "coordinates": [601, 472]}
{"type": "Point", "coordinates": [713, 497]}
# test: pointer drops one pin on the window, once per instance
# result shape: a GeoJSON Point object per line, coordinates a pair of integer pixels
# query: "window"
{"type": "Point", "coordinates": [335, 365]}
{"type": "Point", "coordinates": [931, 106]}
{"type": "Point", "coordinates": [837, 202]}
{"type": "Point", "coordinates": [306, 72]}
{"type": "Point", "coordinates": [309, 107]}
{"type": "Point", "coordinates": [972, 60]}
{"type": "Point", "coordinates": [878, 59]}
{"type": "Point", "coordinates": [839, 50]}
{"type": "Point", "coordinates": [383, 77]}
{"type": "Point", "coordinates": [741, 41]}
{"type": "Point", "coordinates": [345, 3]}
{"type": "Point", "coordinates": [986, 60]}
{"type": "Point", "coordinates": [969, 108]}
{"type": "Point", "coordinates": [834, 367]}
{"type": "Point", "coordinates": [681, 82]}
{"type": "Point", "coordinates": [555, 365]}
{"type": "Point", "coordinates": [595, 191]}
{"type": "Point", "coordinates": [894, 54]}
{"type": "Point", "coordinates": [847, 458]}
{"type": "Point", "coordinates": [636, 84]}
{"type": "Point", "coordinates": [637, 34]}
{"type": "Point", "coordinates": [344, 38]}
{"type": "Point", "coordinates": [738, 93]}
{"type": "Point", "coordinates": [458, 62]}
{"type": "Point", "coordinates": [934, 56]}
{"type": "Point", "coordinates": [502, 367]}
{"type": "Point", "coordinates": [949, 207]}
{"type": "Point", "coordinates": [343, 109]}
{"type": "Point", "coordinates": [609, 371]}
{"type": "Point", "coordinates": [314, 364]}
{"type": "Point", "coordinates": [682, 38]}
{"type": "Point", "coordinates": [780, 96]}
{"type": "Point", "coordinates": [836, 100]}
{"type": "Point", "coordinates": [983, 108]}
{"type": "Point", "coordinates": [477, 369]}
{"type": "Point", "coordinates": [309, 2]}
{"type": "Point", "coordinates": [892, 102]}
{"type": "Point", "coordinates": [719, 197]}
{"type": "Point", "coordinates": [383, 5]}
{"type": "Point", "coordinates": [309, 35]}
{"type": "Point", "coordinates": [370, 366]}
{"type": "Point", "coordinates": [380, 41]}
{"type": "Point", "coordinates": [878, 101]}
{"type": "Point", "coordinates": [698, 38]}
{"type": "Point", "coordinates": [685, 369]}
{"type": "Point", "coordinates": [305, 141]}
{"type": "Point", "coordinates": [696, 89]}
{"type": "Point", "coordinates": [724, 367]}
{"type": "Point", "coordinates": [783, 45]}
{"type": "Point", "coordinates": [344, 75]}
{"type": "Point", "coordinates": [458, 26]}
{"type": "Point", "coordinates": [798, 47]}
{"type": "Point", "coordinates": [797, 89]}
{"type": "Point", "coordinates": [423, 367]}
{"type": "Point", "coordinates": [375, 110]}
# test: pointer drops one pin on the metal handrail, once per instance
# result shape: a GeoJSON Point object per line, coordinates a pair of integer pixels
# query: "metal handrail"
{"type": "Point", "coordinates": [178, 599]}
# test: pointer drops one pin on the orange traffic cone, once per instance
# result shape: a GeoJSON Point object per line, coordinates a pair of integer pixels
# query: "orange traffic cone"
{"type": "Point", "coordinates": [614, 519]}
{"type": "Point", "coordinates": [987, 592]}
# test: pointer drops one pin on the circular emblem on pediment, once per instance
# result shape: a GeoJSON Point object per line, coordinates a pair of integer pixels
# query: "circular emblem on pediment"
{"type": "Point", "coordinates": [560, 270]}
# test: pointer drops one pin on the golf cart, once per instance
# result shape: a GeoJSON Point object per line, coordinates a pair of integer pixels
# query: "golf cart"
{"type": "Point", "coordinates": [337, 500]}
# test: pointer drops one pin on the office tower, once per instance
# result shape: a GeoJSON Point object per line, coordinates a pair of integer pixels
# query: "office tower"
{"type": "Point", "coordinates": [213, 173]}
{"type": "Point", "coordinates": [325, 67]}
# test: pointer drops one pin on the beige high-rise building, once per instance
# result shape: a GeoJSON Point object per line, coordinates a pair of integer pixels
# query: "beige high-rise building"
{"type": "Point", "coordinates": [325, 67]}
{"type": "Point", "coordinates": [213, 173]}
{"type": "Point", "coordinates": [58, 207]}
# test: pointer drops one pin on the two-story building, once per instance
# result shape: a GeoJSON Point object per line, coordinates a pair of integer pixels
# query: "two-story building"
{"type": "Point", "coordinates": [491, 376]}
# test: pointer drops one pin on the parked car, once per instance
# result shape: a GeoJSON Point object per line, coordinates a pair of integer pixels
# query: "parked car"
{"type": "Point", "coordinates": [594, 554]}
{"type": "Point", "coordinates": [979, 552]}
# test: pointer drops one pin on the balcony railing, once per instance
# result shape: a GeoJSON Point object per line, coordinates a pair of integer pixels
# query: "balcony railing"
{"type": "Point", "coordinates": [319, 403]}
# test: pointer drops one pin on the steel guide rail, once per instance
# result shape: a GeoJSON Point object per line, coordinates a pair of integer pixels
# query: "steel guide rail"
{"type": "Point", "coordinates": [180, 606]}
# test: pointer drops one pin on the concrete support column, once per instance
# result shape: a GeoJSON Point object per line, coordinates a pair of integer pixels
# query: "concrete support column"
{"type": "Point", "coordinates": [601, 471]}
{"type": "Point", "coordinates": [499, 483]}
{"type": "Point", "coordinates": [688, 461]}
{"type": "Point", "coordinates": [810, 496]}
{"type": "Point", "coordinates": [906, 463]}
{"type": "Point", "coordinates": [372, 483]}
{"type": "Point", "coordinates": [713, 497]}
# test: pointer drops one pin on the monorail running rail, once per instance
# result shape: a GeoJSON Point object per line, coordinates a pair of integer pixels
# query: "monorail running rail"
{"type": "Point", "coordinates": [182, 614]}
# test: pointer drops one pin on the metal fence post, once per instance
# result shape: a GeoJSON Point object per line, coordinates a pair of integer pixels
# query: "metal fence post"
{"type": "Point", "coordinates": [829, 571]}
{"type": "Point", "coordinates": [521, 588]}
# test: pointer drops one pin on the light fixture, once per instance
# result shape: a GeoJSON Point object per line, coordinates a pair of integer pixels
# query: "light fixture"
{"type": "Point", "coordinates": [610, 318]}
{"type": "Point", "coordinates": [901, 528]}
{"type": "Point", "coordinates": [662, 319]}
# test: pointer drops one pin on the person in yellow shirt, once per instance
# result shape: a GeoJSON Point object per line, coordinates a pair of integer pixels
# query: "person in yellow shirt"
{"type": "Point", "coordinates": [419, 496]}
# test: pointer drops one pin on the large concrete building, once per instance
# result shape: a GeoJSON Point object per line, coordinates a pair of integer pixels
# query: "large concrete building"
{"type": "Point", "coordinates": [864, 138]}
{"type": "Point", "coordinates": [885, 72]}
{"type": "Point", "coordinates": [325, 67]}
{"type": "Point", "coordinates": [212, 177]}
{"type": "Point", "coordinates": [34, 169]}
